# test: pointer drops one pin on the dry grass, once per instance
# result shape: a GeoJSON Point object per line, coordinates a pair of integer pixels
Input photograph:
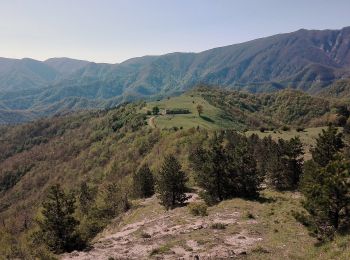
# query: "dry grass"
{"type": "Point", "coordinates": [258, 229]}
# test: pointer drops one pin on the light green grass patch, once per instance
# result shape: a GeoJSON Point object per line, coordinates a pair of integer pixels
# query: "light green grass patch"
{"type": "Point", "coordinates": [210, 119]}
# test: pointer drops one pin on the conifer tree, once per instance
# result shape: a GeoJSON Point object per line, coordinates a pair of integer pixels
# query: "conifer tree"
{"type": "Point", "coordinates": [155, 110]}
{"type": "Point", "coordinates": [111, 201]}
{"type": "Point", "coordinates": [209, 166]}
{"type": "Point", "coordinates": [285, 163]}
{"type": "Point", "coordinates": [143, 182]}
{"type": "Point", "coordinates": [58, 226]}
{"type": "Point", "coordinates": [226, 171]}
{"type": "Point", "coordinates": [171, 183]}
{"type": "Point", "coordinates": [328, 144]}
{"type": "Point", "coordinates": [327, 196]}
{"type": "Point", "coordinates": [86, 197]}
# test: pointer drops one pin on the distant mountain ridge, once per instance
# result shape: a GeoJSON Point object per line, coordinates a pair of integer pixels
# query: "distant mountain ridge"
{"type": "Point", "coordinates": [308, 60]}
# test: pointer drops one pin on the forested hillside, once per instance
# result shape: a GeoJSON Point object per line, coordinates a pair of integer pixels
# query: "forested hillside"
{"type": "Point", "coordinates": [309, 61]}
{"type": "Point", "coordinates": [98, 164]}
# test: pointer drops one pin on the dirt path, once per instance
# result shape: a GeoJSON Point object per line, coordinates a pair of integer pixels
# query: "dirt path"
{"type": "Point", "coordinates": [151, 122]}
{"type": "Point", "coordinates": [174, 234]}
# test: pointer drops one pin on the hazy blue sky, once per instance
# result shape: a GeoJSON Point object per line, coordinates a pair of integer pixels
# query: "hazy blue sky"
{"type": "Point", "coordinates": [114, 30]}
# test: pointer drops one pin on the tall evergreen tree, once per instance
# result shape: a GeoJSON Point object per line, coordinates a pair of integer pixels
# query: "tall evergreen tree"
{"type": "Point", "coordinates": [86, 197]}
{"type": "Point", "coordinates": [226, 171]}
{"type": "Point", "coordinates": [211, 171]}
{"type": "Point", "coordinates": [328, 143]}
{"type": "Point", "coordinates": [244, 175]}
{"type": "Point", "coordinates": [112, 201]}
{"type": "Point", "coordinates": [327, 196]}
{"type": "Point", "coordinates": [58, 226]}
{"type": "Point", "coordinates": [143, 182]}
{"type": "Point", "coordinates": [155, 110]}
{"type": "Point", "coordinates": [171, 183]}
{"type": "Point", "coordinates": [285, 163]}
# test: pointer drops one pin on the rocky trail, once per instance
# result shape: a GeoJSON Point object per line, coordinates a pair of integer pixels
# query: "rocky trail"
{"type": "Point", "coordinates": [151, 122]}
{"type": "Point", "coordinates": [155, 233]}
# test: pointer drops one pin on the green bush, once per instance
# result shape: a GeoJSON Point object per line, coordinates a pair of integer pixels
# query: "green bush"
{"type": "Point", "coordinates": [262, 129]}
{"type": "Point", "coordinates": [285, 128]}
{"type": "Point", "coordinates": [198, 209]}
{"type": "Point", "coordinates": [249, 215]}
{"type": "Point", "coordinates": [145, 235]}
{"type": "Point", "coordinates": [218, 226]}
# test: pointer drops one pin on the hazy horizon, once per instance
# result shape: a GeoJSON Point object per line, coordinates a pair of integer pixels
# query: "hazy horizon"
{"type": "Point", "coordinates": [113, 31]}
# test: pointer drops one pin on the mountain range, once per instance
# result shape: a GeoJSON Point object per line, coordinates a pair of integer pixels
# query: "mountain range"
{"type": "Point", "coordinates": [308, 60]}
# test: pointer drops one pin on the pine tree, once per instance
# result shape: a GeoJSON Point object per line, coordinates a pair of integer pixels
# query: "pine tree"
{"type": "Point", "coordinates": [155, 110]}
{"type": "Point", "coordinates": [243, 172]}
{"type": "Point", "coordinates": [86, 197]}
{"type": "Point", "coordinates": [327, 196]}
{"type": "Point", "coordinates": [171, 183]}
{"type": "Point", "coordinates": [112, 201]}
{"type": "Point", "coordinates": [209, 166]}
{"type": "Point", "coordinates": [58, 226]}
{"type": "Point", "coordinates": [285, 163]}
{"type": "Point", "coordinates": [328, 143]}
{"type": "Point", "coordinates": [226, 171]}
{"type": "Point", "coordinates": [143, 182]}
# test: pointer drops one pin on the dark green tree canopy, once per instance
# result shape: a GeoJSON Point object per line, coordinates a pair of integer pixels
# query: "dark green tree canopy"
{"type": "Point", "coordinates": [328, 144]}
{"type": "Point", "coordinates": [155, 110]}
{"type": "Point", "coordinates": [143, 182]}
{"type": "Point", "coordinates": [226, 171]}
{"type": "Point", "coordinates": [327, 196]}
{"type": "Point", "coordinates": [285, 162]}
{"type": "Point", "coordinates": [58, 226]}
{"type": "Point", "coordinates": [171, 183]}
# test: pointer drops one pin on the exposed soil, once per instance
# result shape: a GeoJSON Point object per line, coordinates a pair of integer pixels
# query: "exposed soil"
{"type": "Point", "coordinates": [151, 122]}
{"type": "Point", "coordinates": [173, 234]}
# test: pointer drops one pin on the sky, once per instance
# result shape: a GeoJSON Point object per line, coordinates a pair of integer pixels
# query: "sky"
{"type": "Point", "coordinates": [115, 30]}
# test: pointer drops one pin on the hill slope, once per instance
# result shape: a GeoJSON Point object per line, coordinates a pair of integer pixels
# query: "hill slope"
{"type": "Point", "coordinates": [242, 110]}
{"type": "Point", "coordinates": [108, 146]}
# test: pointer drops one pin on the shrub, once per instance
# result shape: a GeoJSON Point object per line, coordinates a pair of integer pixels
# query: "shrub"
{"type": "Point", "coordinates": [218, 225]}
{"type": "Point", "coordinates": [285, 128]}
{"type": "Point", "coordinates": [250, 215]}
{"type": "Point", "coordinates": [300, 129]}
{"type": "Point", "coordinates": [145, 235]}
{"type": "Point", "coordinates": [198, 209]}
{"type": "Point", "coordinates": [160, 250]}
{"type": "Point", "coordinates": [155, 110]}
{"type": "Point", "coordinates": [262, 129]}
